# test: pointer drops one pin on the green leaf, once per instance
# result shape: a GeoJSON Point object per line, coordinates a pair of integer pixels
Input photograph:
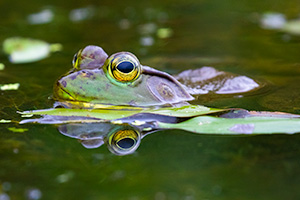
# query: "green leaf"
{"type": "Point", "coordinates": [25, 50]}
{"type": "Point", "coordinates": [17, 130]}
{"type": "Point", "coordinates": [10, 86]}
{"type": "Point", "coordinates": [236, 126]}
{"type": "Point", "coordinates": [2, 66]}
{"type": "Point", "coordinates": [185, 111]}
{"type": "Point", "coordinates": [292, 27]}
{"type": "Point", "coordinates": [5, 121]}
{"type": "Point", "coordinates": [164, 33]}
{"type": "Point", "coordinates": [231, 122]}
{"type": "Point", "coordinates": [112, 114]}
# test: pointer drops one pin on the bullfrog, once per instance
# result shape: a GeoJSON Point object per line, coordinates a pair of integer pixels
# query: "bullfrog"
{"type": "Point", "coordinates": [120, 79]}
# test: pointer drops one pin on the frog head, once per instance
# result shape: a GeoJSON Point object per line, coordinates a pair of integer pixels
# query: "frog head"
{"type": "Point", "coordinates": [117, 80]}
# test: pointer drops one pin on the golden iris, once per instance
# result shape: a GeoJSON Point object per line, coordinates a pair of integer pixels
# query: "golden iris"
{"type": "Point", "coordinates": [123, 67]}
{"type": "Point", "coordinates": [124, 141]}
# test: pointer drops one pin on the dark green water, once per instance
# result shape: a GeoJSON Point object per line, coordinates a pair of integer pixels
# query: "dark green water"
{"type": "Point", "coordinates": [168, 164]}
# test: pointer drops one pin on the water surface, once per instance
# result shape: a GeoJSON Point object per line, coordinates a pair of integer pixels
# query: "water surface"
{"type": "Point", "coordinates": [43, 164]}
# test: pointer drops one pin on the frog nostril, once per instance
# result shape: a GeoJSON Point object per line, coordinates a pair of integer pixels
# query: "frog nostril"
{"type": "Point", "coordinates": [63, 83]}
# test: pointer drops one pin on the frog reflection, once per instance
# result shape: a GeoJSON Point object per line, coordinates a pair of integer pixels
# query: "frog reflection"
{"type": "Point", "coordinates": [120, 139]}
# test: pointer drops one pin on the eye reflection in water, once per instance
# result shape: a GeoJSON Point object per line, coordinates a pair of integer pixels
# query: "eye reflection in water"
{"type": "Point", "coordinates": [124, 140]}
{"type": "Point", "coordinates": [120, 139]}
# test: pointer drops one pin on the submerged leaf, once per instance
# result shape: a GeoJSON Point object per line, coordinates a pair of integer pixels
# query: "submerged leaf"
{"type": "Point", "coordinates": [25, 50]}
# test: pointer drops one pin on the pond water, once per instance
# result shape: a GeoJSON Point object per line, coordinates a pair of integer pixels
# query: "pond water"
{"type": "Point", "coordinates": [172, 36]}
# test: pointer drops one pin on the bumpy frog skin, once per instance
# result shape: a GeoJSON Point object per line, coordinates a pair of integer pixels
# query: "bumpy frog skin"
{"type": "Point", "coordinates": [117, 80]}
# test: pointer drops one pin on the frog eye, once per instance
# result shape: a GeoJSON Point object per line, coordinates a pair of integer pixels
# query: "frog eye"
{"type": "Point", "coordinates": [124, 141]}
{"type": "Point", "coordinates": [123, 67]}
{"type": "Point", "coordinates": [76, 60]}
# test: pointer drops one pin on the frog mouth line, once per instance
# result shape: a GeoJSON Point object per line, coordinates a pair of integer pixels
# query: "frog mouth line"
{"type": "Point", "coordinates": [62, 93]}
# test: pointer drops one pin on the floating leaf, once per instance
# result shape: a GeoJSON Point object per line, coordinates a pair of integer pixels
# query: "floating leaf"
{"type": "Point", "coordinates": [11, 86]}
{"type": "Point", "coordinates": [164, 33]}
{"type": "Point", "coordinates": [277, 21]}
{"type": "Point", "coordinates": [113, 114]}
{"type": "Point", "coordinates": [236, 126]}
{"type": "Point", "coordinates": [272, 20]}
{"type": "Point", "coordinates": [229, 122]}
{"type": "Point", "coordinates": [292, 27]}
{"type": "Point", "coordinates": [5, 121]}
{"type": "Point", "coordinates": [186, 111]}
{"type": "Point", "coordinates": [2, 66]}
{"type": "Point", "coordinates": [42, 17]}
{"type": "Point", "coordinates": [25, 50]}
{"type": "Point", "coordinates": [17, 130]}
{"type": "Point", "coordinates": [81, 14]}
{"type": "Point", "coordinates": [29, 115]}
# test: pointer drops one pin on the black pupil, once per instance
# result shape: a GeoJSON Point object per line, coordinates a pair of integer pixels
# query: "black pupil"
{"type": "Point", "coordinates": [75, 58]}
{"type": "Point", "coordinates": [125, 67]}
{"type": "Point", "coordinates": [126, 143]}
